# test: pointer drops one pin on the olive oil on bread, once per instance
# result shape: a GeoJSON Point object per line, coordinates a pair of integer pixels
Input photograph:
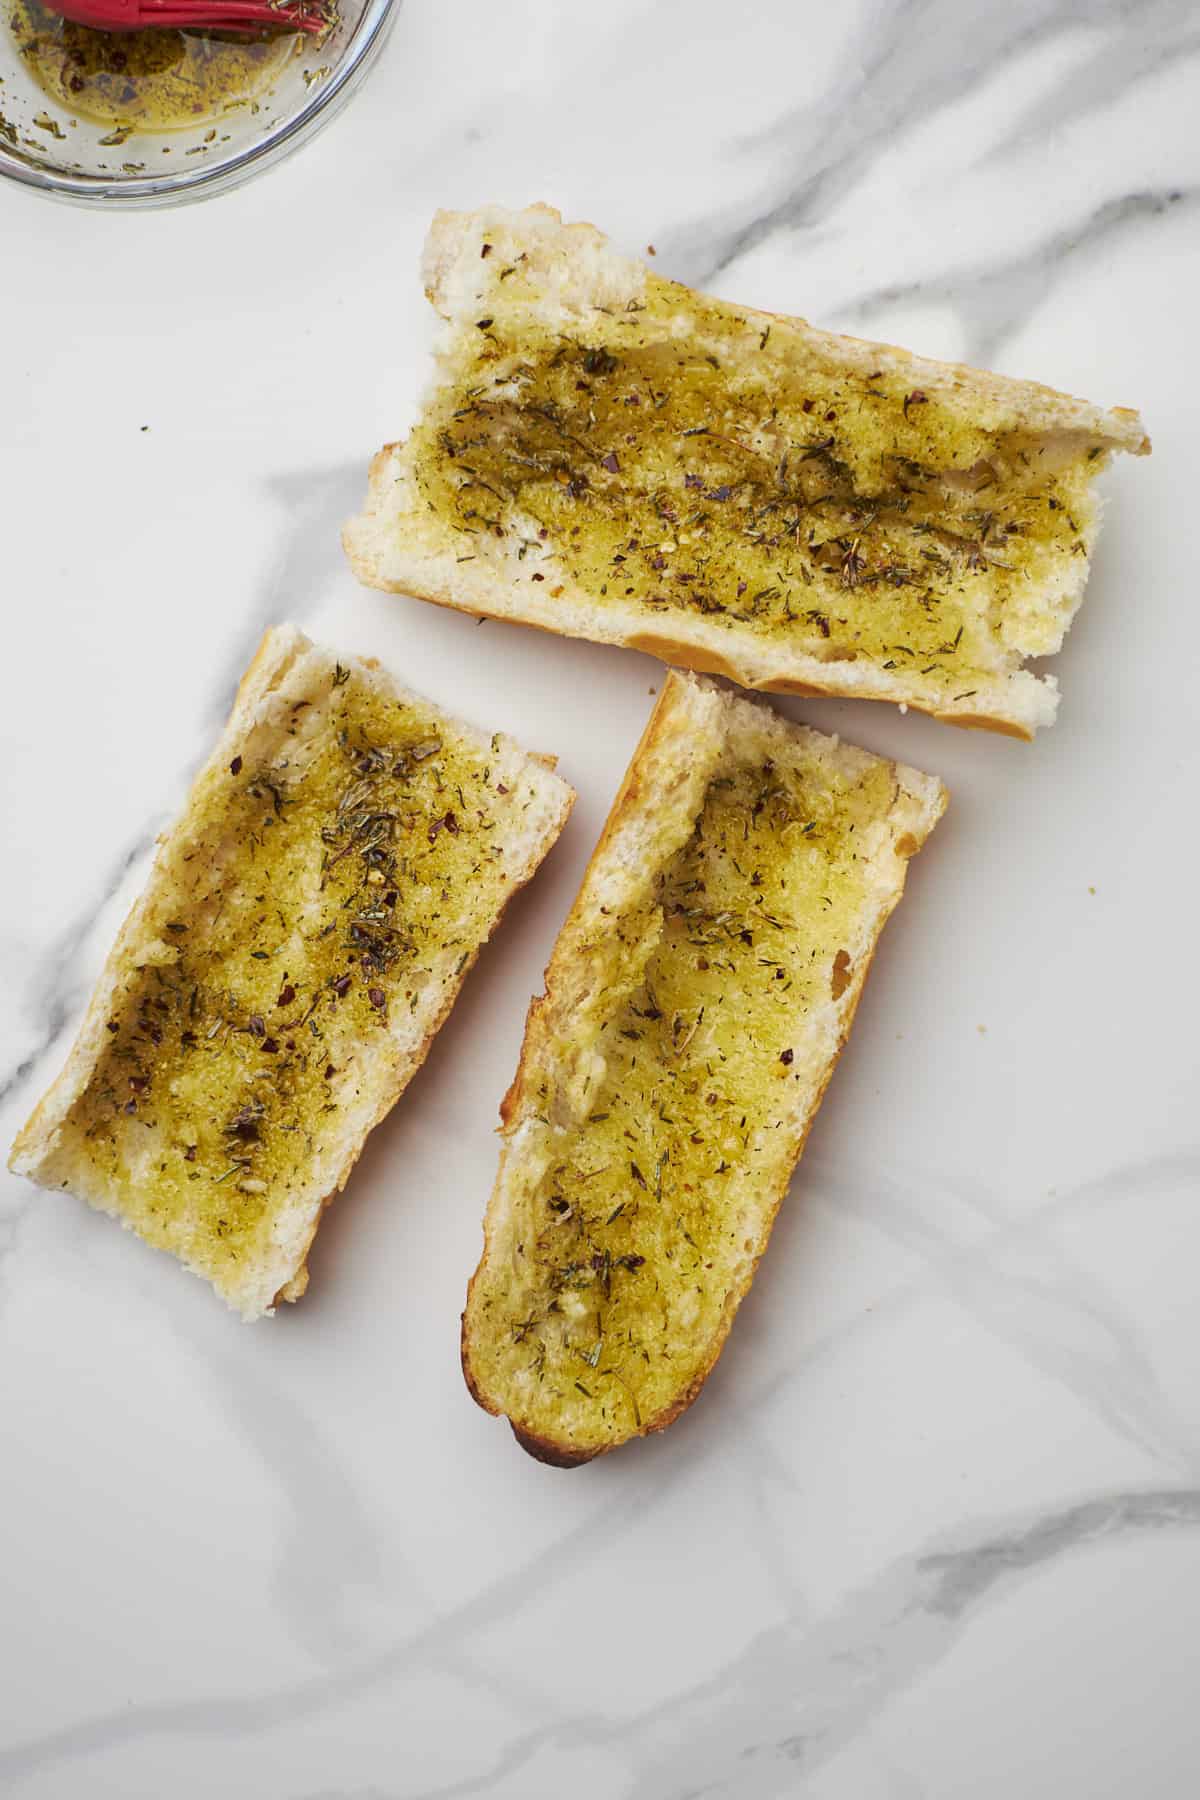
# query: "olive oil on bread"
{"type": "Point", "coordinates": [308, 922]}
{"type": "Point", "coordinates": [695, 1003]}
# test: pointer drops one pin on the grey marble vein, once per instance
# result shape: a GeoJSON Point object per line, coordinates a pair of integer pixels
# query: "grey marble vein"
{"type": "Point", "coordinates": [327, 1546]}
{"type": "Point", "coordinates": [54, 987]}
{"type": "Point", "coordinates": [1110, 1374]}
{"type": "Point", "coordinates": [12, 1220]}
{"type": "Point", "coordinates": [236, 1714]}
{"type": "Point", "coordinates": [1019, 1285]}
{"type": "Point", "coordinates": [331, 1546]}
{"type": "Point", "coordinates": [907, 59]}
{"type": "Point", "coordinates": [309, 561]}
{"type": "Point", "coordinates": [1119, 64]}
{"type": "Point", "coordinates": [795, 1695]}
{"type": "Point", "coordinates": [995, 297]}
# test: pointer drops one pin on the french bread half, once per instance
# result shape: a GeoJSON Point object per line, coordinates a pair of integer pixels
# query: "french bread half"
{"type": "Point", "coordinates": [613, 456]}
{"type": "Point", "coordinates": [305, 929]}
{"type": "Point", "coordinates": [696, 1002]}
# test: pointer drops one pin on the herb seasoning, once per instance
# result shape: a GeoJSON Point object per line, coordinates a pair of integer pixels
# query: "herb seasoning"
{"type": "Point", "coordinates": [773, 489]}
{"type": "Point", "coordinates": [311, 902]}
{"type": "Point", "coordinates": [629, 1253]}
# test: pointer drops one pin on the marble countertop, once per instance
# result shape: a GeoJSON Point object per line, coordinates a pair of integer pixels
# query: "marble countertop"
{"type": "Point", "coordinates": [934, 1527]}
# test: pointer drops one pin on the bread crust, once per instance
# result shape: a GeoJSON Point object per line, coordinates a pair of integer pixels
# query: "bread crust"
{"type": "Point", "coordinates": [393, 546]}
{"type": "Point", "coordinates": [266, 669]}
{"type": "Point", "coordinates": [670, 722]}
{"type": "Point", "coordinates": [279, 650]}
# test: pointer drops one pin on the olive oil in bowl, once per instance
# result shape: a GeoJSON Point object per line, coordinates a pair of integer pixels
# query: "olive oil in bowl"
{"type": "Point", "coordinates": [154, 80]}
{"type": "Point", "coordinates": [159, 116]}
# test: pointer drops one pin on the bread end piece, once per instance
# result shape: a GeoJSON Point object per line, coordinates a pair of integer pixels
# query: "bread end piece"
{"type": "Point", "coordinates": [696, 733]}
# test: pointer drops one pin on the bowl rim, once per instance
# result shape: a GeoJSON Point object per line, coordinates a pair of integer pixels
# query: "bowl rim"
{"type": "Point", "coordinates": [176, 186]}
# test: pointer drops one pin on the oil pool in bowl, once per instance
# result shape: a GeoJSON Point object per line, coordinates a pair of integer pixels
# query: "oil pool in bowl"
{"type": "Point", "coordinates": [153, 80]}
{"type": "Point", "coordinates": [159, 116]}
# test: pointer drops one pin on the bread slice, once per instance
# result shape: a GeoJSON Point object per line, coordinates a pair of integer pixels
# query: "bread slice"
{"type": "Point", "coordinates": [696, 1002]}
{"type": "Point", "coordinates": [613, 456]}
{"type": "Point", "coordinates": [307, 924]}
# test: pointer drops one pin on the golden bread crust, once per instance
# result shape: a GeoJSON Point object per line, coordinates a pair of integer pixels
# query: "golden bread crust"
{"type": "Point", "coordinates": [918, 804]}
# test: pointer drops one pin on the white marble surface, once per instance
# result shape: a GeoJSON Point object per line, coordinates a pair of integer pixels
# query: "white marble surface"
{"type": "Point", "coordinates": [934, 1527]}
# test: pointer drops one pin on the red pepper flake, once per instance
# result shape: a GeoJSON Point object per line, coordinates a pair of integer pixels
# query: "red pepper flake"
{"type": "Point", "coordinates": [287, 994]}
{"type": "Point", "coordinates": [539, 578]}
{"type": "Point", "coordinates": [138, 1083]}
{"type": "Point", "coordinates": [482, 324]}
{"type": "Point", "coordinates": [189, 1154]}
{"type": "Point", "coordinates": [486, 250]}
{"type": "Point", "coordinates": [741, 588]}
{"type": "Point", "coordinates": [269, 1046]}
{"type": "Point", "coordinates": [390, 898]}
{"type": "Point", "coordinates": [255, 1025]}
{"type": "Point", "coordinates": [329, 1071]}
{"type": "Point", "coordinates": [692, 481]}
{"type": "Point", "coordinates": [377, 997]}
{"type": "Point", "coordinates": [808, 406]}
{"type": "Point", "coordinates": [787, 1057]}
{"type": "Point", "coordinates": [500, 788]}
{"type": "Point", "coordinates": [130, 1106]}
{"type": "Point", "coordinates": [112, 1026]}
{"type": "Point", "coordinates": [448, 823]}
{"type": "Point", "coordinates": [235, 767]}
{"type": "Point", "coordinates": [916, 398]}
{"type": "Point", "coordinates": [610, 463]}
{"type": "Point", "coordinates": [341, 985]}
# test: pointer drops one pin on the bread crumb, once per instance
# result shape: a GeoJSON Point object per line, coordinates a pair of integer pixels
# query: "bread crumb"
{"type": "Point", "coordinates": [1091, 890]}
{"type": "Point", "coordinates": [655, 690]}
{"type": "Point", "coordinates": [982, 1030]}
{"type": "Point", "coordinates": [650, 250]}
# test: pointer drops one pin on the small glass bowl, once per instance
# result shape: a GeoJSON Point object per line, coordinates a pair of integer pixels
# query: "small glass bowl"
{"type": "Point", "coordinates": [54, 152]}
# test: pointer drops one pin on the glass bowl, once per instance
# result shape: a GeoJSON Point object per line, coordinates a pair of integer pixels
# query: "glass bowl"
{"type": "Point", "coordinates": [47, 147]}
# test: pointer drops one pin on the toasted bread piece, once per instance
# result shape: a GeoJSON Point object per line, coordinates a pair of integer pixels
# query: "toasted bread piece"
{"type": "Point", "coordinates": [613, 456]}
{"type": "Point", "coordinates": [307, 924]}
{"type": "Point", "coordinates": [696, 1002]}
